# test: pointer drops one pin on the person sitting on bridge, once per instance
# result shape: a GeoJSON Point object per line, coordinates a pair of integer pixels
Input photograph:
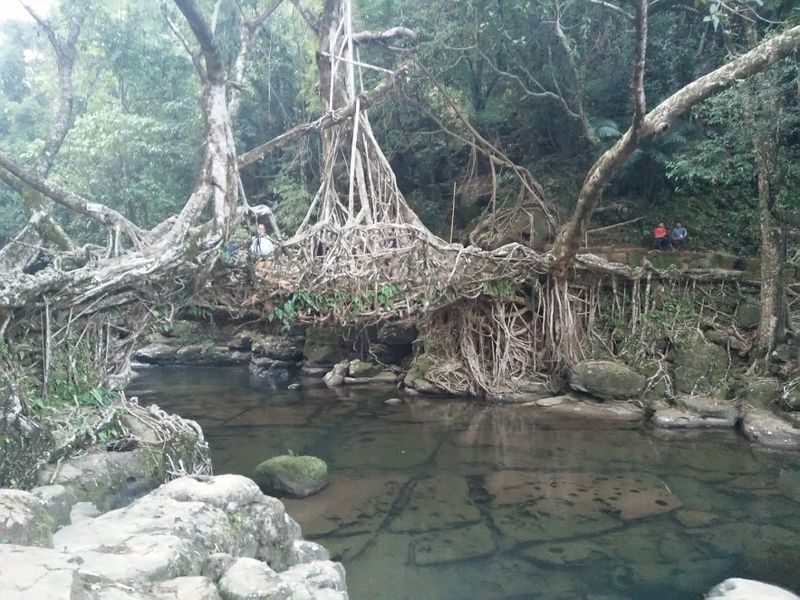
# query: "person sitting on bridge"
{"type": "Point", "coordinates": [678, 235]}
{"type": "Point", "coordinates": [261, 246]}
{"type": "Point", "coordinates": [660, 237]}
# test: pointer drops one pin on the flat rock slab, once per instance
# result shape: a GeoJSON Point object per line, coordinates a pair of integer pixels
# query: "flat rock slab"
{"type": "Point", "coordinates": [709, 406]}
{"type": "Point", "coordinates": [767, 428]}
{"type": "Point", "coordinates": [676, 418]}
{"type": "Point", "coordinates": [348, 505]}
{"type": "Point", "coordinates": [552, 506]}
{"type": "Point", "coordinates": [613, 411]}
{"type": "Point", "coordinates": [453, 545]}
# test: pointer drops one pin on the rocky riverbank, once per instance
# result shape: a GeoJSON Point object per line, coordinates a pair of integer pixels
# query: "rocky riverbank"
{"type": "Point", "coordinates": [697, 386]}
{"type": "Point", "coordinates": [194, 538]}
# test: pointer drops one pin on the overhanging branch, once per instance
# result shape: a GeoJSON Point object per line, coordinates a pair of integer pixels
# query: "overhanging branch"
{"type": "Point", "coordinates": [365, 99]}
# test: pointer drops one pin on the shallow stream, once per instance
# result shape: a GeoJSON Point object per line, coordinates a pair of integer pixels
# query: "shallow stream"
{"type": "Point", "coordinates": [439, 499]}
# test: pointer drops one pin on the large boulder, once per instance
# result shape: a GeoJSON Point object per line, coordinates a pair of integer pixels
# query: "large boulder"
{"type": "Point", "coordinates": [24, 520]}
{"type": "Point", "coordinates": [297, 476]}
{"type": "Point", "coordinates": [158, 546]}
{"type": "Point", "coordinates": [699, 365]}
{"type": "Point", "coordinates": [760, 392]}
{"type": "Point", "coordinates": [748, 314]}
{"type": "Point", "coordinates": [326, 346]}
{"type": "Point", "coordinates": [606, 379]}
{"type": "Point", "coordinates": [736, 588]}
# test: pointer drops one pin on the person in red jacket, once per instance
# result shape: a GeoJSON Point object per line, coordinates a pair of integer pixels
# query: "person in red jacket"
{"type": "Point", "coordinates": [660, 237]}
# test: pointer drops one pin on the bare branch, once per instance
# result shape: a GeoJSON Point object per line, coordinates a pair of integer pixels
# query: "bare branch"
{"type": "Point", "coordinates": [193, 54]}
{"type": "Point", "coordinates": [363, 37]}
{"type": "Point", "coordinates": [204, 36]}
{"type": "Point", "coordinates": [614, 7]}
{"type": "Point", "coordinates": [307, 15]}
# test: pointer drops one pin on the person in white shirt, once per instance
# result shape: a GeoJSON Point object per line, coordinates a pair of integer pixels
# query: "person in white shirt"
{"type": "Point", "coordinates": [261, 246]}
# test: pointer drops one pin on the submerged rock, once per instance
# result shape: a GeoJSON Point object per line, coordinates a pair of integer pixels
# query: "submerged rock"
{"type": "Point", "coordinates": [298, 476]}
{"type": "Point", "coordinates": [748, 589]}
{"type": "Point", "coordinates": [607, 380]}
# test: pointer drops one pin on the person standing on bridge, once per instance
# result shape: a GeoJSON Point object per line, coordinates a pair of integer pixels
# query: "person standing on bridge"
{"type": "Point", "coordinates": [261, 246]}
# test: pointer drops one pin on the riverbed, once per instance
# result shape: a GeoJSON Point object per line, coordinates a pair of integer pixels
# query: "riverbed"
{"type": "Point", "coordinates": [450, 498]}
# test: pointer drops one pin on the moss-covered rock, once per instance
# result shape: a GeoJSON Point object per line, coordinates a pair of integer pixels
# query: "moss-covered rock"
{"type": "Point", "coordinates": [360, 368]}
{"type": "Point", "coordinates": [605, 379]}
{"type": "Point", "coordinates": [297, 476]}
{"type": "Point", "coordinates": [748, 314]}
{"type": "Point", "coordinates": [700, 366]}
{"type": "Point", "coordinates": [326, 346]}
{"type": "Point", "coordinates": [24, 520]}
{"type": "Point", "coordinates": [416, 377]}
{"type": "Point", "coordinates": [760, 392]}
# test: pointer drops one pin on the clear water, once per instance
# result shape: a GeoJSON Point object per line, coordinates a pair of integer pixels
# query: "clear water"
{"type": "Point", "coordinates": [453, 499]}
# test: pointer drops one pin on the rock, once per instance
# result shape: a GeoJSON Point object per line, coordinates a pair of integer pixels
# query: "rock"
{"type": "Point", "coordinates": [187, 588]}
{"type": "Point", "coordinates": [249, 579]}
{"type": "Point", "coordinates": [398, 333]}
{"type": "Point", "coordinates": [748, 314]}
{"type": "Point", "coordinates": [24, 520]}
{"type": "Point", "coordinates": [382, 377]}
{"type": "Point", "coordinates": [216, 565]}
{"type": "Point", "coordinates": [335, 377]}
{"type": "Point", "coordinates": [298, 476]}
{"type": "Point", "coordinates": [552, 401]}
{"type": "Point", "coordinates": [360, 368]}
{"type": "Point", "coordinates": [107, 479]}
{"type": "Point", "coordinates": [416, 377]}
{"type": "Point", "coordinates": [393, 401]}
{"type": "Point", "coordinates": [304, 551]}
{"type": "Point", "coordinates": [156, 547]}
{"type": "Point", "coordinates": [695, 518]}
{"type": "Point", "coordinates": [275, 347]}
{"type": "Point", "coordinates": [57, 501]}
{"type": "Point", "coordinates": [700, 366]}
{"type": "Point", "coordinates": [529, 391]}
{"type": "Point", "coordinates": [790, 396]}
{"type": "Point", "coordinates": [606, 379]}
{"type": "Point", "coordinates": [453, 545]}
{"type": "Point", "coordinates": [326, 346]}
{"type": "Point", "coordinates": [676, 418]}
{"type": "Point", "coordinates": [293, 386]}
{"type": "Point", "coordinates": [317, 575]}
{"type": "Point", "coordinates": [760, 392]}
{"type": "Point", "coordinates": [82, 511]}
{"type": "Point", "coordinates": [157, 354]}
{"type": "Point", "coordinates": [709, 406]}
{"type": "Point", "coordinates": [748, 589]}
{"type": "Point", "coordinates": [767, 428]}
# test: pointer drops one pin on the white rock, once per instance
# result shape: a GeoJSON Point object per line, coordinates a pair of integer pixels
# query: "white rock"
{"type": "Point", "coordinates": [748, 589]}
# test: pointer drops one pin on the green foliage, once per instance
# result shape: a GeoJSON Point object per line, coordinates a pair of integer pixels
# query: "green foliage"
{"type": "Point", "coordinates": [304, 303]}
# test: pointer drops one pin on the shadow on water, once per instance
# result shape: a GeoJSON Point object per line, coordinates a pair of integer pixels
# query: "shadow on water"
{"type": "Point", "coordinates": [455, 499]}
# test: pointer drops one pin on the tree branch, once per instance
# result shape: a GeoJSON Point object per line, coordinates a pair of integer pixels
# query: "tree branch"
{"type": "Point", "coordinates": [308, 16]}
{"type": "Point", "coordinates": [365, 99]}
{"type": "Point", "coordinates": [637, 86]}
{"type": "Point", "coordinates": [657, 121]}
{"type": "Point", "coordinates": [97, 212]}
{"type": "Point", "coordinates": [193, 54]}
{"type": "Point", "coordinates": [205, 37]}
{"type": "Point", "coordinates": [614, 7]}
{"type": "Point", "coordinates": [363, 37]}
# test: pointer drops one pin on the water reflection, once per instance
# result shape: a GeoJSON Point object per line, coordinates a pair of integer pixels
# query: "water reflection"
{"type": "Point", "coordinates": [452, 499]}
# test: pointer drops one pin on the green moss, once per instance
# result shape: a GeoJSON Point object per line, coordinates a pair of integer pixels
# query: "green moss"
{"type": "Point", "coordinates": [295, 475]}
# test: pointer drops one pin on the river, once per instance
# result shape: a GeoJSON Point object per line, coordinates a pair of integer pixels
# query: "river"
{"type": "Point", "coordinates": [439, 499]}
